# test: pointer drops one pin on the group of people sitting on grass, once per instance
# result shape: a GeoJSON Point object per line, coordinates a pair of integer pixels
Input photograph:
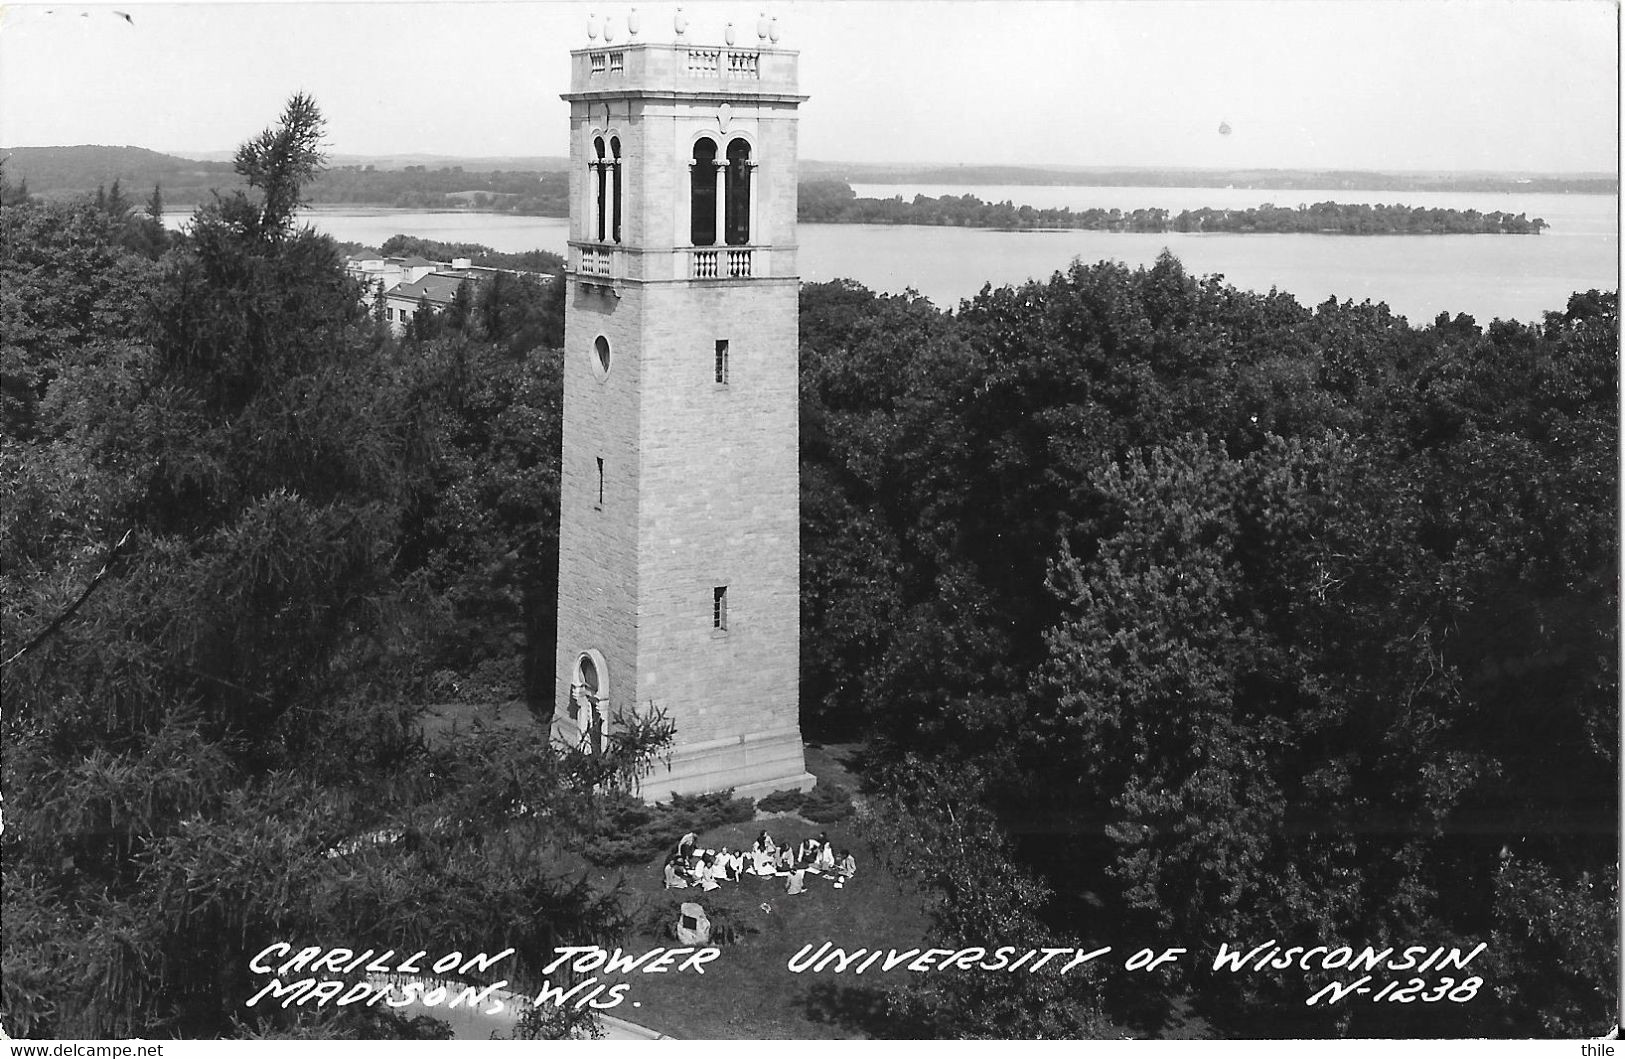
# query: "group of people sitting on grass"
{"type": "Point", "coordinates": [709, 868]}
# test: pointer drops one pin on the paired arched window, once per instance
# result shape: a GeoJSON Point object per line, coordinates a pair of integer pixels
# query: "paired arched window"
{"type": "Point", "coordinates": [605, 223]}
{"type": "Point", "coordinates": [729, 181]}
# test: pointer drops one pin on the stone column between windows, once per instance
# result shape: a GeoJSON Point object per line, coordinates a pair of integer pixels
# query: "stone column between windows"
{"type": "Point", "coordinates": [752, 237]}
{"type": "Point", "coordinates": [593, 198]}
{"type": "Point", "coordinates": [722, 210]}
{"type": "Point", "coordinates": [685, 212]}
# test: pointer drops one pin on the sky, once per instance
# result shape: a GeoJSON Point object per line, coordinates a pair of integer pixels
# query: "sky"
{"type": "Point", "coordinates": [1525, 85]}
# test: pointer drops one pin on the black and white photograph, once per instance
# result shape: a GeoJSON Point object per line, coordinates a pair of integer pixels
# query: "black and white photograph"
{"type": "Point", "coordinates": [808, 521]}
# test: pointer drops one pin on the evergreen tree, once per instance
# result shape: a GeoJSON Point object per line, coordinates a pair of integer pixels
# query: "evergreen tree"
{"type": "Point", "coordinates": [117, 206]}
{"type": "Point", "coordinates": [462, 303]}
{"type": "Point", "coordinates": [152, 235]}
{"type": "Point", "coordinates": [281, 162]}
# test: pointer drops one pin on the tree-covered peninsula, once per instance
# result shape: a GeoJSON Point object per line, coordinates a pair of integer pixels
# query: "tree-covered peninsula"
{"type": "Point", "coordinates": [834, 202]}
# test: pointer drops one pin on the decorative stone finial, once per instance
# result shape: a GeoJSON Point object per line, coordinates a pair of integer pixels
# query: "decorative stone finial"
{"type": "Point", "coordinates": [592, 26]}
{"type": "Point", "coordinates": [680, 22]}
{"type": "Point", "coordinates": [728, 34]}
{"type": "Point", "coordinates": [633, 23]}
{"type": "Point", "coordinates": [761, 26]}
{"type": "Point", "coordinates": [609, 29]}
{"type": "Point", "coordinates": [773, 29]}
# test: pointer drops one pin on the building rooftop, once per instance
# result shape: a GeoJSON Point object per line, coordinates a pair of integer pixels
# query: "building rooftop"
{"type": "Point", "coordinates": [690, 67]}
{"type": "Point", "coordinates": [438, 287]}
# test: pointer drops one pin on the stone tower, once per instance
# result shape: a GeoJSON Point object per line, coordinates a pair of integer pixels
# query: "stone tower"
{"type": "Point", "coordinates": [679, 549]}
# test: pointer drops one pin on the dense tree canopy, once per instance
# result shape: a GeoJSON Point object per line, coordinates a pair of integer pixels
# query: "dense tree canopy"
{"type": "Point", "coordinates": [1310, 613]}
{"type": "Point", "coordinates": [228, 493]}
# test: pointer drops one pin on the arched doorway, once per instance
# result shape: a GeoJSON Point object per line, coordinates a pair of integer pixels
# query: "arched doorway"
{"type": "Point", "coordinates": [589, 700]}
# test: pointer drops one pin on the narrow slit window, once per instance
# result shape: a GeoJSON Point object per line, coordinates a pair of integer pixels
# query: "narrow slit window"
{"type": "Point", "coordinates": [600, 481]}
{"type": "Point", "coordinates": [719, 607]}
{"type": "Point", "coordinates": [722, 361]}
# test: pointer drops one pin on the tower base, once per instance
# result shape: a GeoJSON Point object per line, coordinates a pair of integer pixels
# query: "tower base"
{"type": "Point", "coordinates": [753, 764]}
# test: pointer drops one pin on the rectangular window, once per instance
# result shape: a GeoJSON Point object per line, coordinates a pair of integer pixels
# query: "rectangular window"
{"type": "Point", "coordinates": [722, 361]}
{"type": "Point", "coordinates": [719, 607]}
{"type": "Point", "coordinates": [600, 481]}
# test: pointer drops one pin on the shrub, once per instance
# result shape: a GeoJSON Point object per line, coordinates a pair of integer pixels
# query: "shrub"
{"type": "Point", "coordinates": [705, 811]}
{"type": "Point", "coordinates": [825, 805]}
{"type": "Point", "coordinates": [631, 832]}
{"type": "Point", "coordinates": [781, 802]}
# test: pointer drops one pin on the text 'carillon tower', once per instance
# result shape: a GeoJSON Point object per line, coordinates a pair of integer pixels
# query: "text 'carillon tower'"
{"type": "Point", "coordinates": [679, 537]}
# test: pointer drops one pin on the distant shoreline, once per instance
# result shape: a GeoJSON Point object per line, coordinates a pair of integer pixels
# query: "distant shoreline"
{"type": "Point", "coordinates": [1171, 231]}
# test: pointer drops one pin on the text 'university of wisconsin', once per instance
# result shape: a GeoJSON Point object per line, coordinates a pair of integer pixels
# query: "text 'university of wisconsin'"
{"type": "Point", "coordinates": [827, 957]}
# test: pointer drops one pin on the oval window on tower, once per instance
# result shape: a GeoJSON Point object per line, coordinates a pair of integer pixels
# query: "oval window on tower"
{"type": "Point", "coordinates": [600, 355]}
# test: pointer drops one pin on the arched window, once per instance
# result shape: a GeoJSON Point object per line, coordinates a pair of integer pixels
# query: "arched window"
{"type": "Point", "coordinates": [615, 205]}
{"type": "Point", "coordinates": [703, 194]}
{"type": "Point", "coordinates": [602, 174]}
{"type": "Point", "coordinates": [737, 217]}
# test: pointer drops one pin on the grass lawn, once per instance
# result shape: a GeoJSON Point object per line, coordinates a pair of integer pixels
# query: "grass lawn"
{"type": "Point", "coordinates": [748, 992]}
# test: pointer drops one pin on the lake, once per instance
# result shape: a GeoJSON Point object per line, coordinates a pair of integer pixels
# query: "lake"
{"type": "Point", "coordinates": [1486, 276]}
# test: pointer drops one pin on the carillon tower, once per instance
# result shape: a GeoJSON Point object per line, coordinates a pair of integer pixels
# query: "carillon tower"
{"type": "Point", "coordinates": [679, 536]}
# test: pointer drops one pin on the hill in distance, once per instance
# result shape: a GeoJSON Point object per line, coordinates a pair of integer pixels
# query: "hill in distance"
{"type": "Point", "coordinates": [64, 172]}
{"type": "Point", "coordinates": [488, 164]}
